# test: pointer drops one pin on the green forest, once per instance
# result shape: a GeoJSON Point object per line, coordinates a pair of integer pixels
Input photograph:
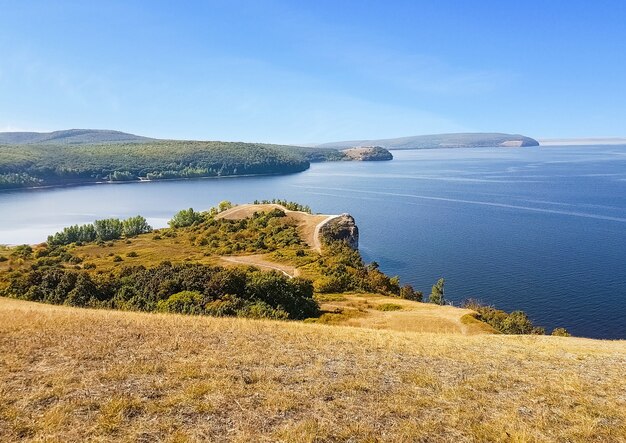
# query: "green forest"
{"type": "Point", "coordinates": [48, 165]}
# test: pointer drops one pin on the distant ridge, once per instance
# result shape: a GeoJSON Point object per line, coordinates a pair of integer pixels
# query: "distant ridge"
{"type": "Point", "coordinates": [457, 140]}
{"type": "Point", "coordinates": [70, 137]}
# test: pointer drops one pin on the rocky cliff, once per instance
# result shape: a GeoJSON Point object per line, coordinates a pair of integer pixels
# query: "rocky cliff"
{"type": "Point", "coordinates": [342, 228]}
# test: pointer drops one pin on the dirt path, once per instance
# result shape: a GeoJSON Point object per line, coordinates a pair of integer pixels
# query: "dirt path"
{"type": "Point", "coordinates": [261, 262]}
{"type": "Point", "coordinates": [308, 224]}
{"type": "Point", "coordinates": [317, 241]}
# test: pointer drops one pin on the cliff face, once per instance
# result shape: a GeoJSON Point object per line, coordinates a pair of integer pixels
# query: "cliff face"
{"type": "Point", "coordinates": [342, 228]}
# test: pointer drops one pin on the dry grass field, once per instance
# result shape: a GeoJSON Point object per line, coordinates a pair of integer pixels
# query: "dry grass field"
{"type": "Point", "coordinates": [69, 374]}
{"type": "Point", "coordinates": [377, 311]}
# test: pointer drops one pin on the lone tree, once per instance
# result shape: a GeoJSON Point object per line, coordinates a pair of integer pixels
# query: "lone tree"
{"type": "Point", "coordinates": [437, 293]}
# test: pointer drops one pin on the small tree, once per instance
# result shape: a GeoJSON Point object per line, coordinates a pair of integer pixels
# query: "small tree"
{"type": "Point", "coordinates": [108, 229]}
{"type": "Point", "coordinates": [184, 302]}
{"type": "Point", "coordinates": [186, 217]}
{"type": "Point", "coordinates": [437, 294]}
{"type": "Point", "coordinates": [224, 205]}
{"type": "Point", "coordinates": [407, 292]}
{"type": "Point", "coordinates": [136, 225]}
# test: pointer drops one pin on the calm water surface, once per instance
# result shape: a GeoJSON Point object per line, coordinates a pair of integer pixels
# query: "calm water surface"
{"type": "Point", "coordinates": [542, 230]}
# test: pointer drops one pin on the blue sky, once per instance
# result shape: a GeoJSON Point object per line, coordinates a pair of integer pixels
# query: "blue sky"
{"type": "Point", "coordinates": [314, 71]}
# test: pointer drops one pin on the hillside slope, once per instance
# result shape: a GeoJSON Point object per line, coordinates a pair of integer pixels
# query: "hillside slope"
{"type": "Point", "coordinates": [70, 137]}
{"type": "Point", "coordinates": [71, 374]}
{"type": "Point", "coordinates": [460, 140]}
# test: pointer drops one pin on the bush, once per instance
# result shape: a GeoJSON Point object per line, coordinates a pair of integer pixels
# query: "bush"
{"type": "Point", "coordinates": [184, 302]}
{"type": "Point", "coordinates": [132, 254]}
{"type": "Point", "coordinates": [388, 307]}
{"type": "Point", "coordinates": [561, 332]}
{"type": "Point", "coordinates": [24, 251]}
{"type": "Point", "coordinates": [186, 217]}
{"type": "Point", "coordinates": [262, 310]}
{"type": "Point", "coordinates": [517, 322]}
{"type": "Point", "coordinates": [117, 258]}
{"type": "Point", "coordinates": [407, 292]}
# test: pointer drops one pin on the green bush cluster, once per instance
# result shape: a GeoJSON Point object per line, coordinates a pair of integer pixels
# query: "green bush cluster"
{"type": "Point", "coordinates": [185, 288]}
{"type": "Point", "coordinates": [342, 269]}
{"type": "Point", "coordinates": [516, 322]}
{"type": "Point", "coordinates": [262, 232]}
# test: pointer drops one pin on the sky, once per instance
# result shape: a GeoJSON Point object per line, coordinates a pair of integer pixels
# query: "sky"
{"type": "Point", "coordinates": [314, 71]}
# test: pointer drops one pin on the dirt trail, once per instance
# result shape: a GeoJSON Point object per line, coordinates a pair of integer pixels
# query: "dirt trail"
{"type": "Point", "coordinates": [260, 262]}
{"type": "Point", "coordinates": [308, 224]}
{"type": "Point", "coordinates": [317, 240]}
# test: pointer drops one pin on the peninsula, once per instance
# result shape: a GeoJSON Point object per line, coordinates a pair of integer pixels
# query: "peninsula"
{"type": "Point", "coordinates": [29, 159]}
{"type": "Point", "coordinates": [104, 340]}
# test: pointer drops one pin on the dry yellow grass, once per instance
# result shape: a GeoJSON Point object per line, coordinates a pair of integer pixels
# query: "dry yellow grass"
{"type": "Point", "coordinates": [71, 374]}
{"type": "Point", "coordinates": [373, 311]}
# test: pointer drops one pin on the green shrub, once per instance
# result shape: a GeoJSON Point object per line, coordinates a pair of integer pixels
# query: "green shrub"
{"type": "Point", "coordinates": [184, 302]}
{"type": "Point", "coordinates": [388, 307]}
{"type": "Point", "coordinates": [262, 310]}
{"type": "Point", "coordinates": [132, 254]}
{"type": "Point", "coordinates": [561, 332]}
{"type": "Point", "coordinates": [24, 251]}
{"type": "Point", "coordinates": [186, 217]}
{"type": "Point", "coordinates": [408, 293]}
{"type": "Point", "coordinates": [517, 322]}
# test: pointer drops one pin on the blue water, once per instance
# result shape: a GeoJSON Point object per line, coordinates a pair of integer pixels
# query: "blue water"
{"type": "Point", "coordinates": [537, 229]}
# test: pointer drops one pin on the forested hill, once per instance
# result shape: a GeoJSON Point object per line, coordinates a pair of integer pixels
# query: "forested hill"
{"type": "Point", "coordinates": [51, 164]}
{"type": "Point", "coordinates": [70, 137]}
{"type": "Point", "coordinates": [460, 140]}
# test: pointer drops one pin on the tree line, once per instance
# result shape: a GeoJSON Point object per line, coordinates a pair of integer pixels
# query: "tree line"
{"type": "Point", "coordinates": [101, 230]}
{"type": "Point", "coordinates": [180, 288]}
{"type": "Point", "coordinates": [39, 165]}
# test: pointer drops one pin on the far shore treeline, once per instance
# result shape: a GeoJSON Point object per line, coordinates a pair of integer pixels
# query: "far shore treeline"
{"type": "Point", "coordinates": [49, 165]}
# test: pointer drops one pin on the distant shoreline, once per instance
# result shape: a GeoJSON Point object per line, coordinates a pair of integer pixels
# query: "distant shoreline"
{"type": "Point", "coordinates": [600, 141]}
{"type": "Point", "coordinates": [141, 180]}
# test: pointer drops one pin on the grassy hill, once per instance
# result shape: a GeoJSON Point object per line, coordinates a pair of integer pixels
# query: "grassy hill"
{"type": "Point", "coordinates": [70, 374]}
{"type": "Point", "coordinates": [459, 140]}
